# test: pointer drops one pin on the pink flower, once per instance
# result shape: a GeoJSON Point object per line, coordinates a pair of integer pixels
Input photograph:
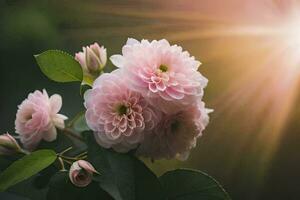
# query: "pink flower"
{"type": "Point", "coordinates": [37, 118]}
{"type": "Point", "coordinates": [117, 115]}
{"type": "Point", "coordinates": [8, 145]}
{"type": "Point", "coordinates": [176, 134]}
{"type": "Point", "coordinates": [81, 173]}
{"type": "Point", "coordinates": [92, 60]}
{"type": "Point", "coordinates": [164, 74]}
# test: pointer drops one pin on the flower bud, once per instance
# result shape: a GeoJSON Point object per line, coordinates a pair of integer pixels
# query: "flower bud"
{"type": "Point", "coordinates": [8, 145]}
{"type": "Point", "coordinates": [81, 173]}
{"type": "Point", "coordinates": [92, 59]}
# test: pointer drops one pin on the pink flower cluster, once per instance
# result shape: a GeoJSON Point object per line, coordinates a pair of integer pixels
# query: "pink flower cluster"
{"type": "Point", "coordinates": [152, 103]}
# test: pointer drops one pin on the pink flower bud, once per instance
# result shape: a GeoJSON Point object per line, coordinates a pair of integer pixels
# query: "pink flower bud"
{"type": "Point", "coordinates": [81, 173]}
{"type": "Point", "coordinates": [8, 145]}
{"type": "Point", "coordinates": [92, 59]}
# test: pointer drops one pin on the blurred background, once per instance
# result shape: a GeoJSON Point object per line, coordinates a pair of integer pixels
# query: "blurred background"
{"type": "Point", "coordinates": [250, 52]}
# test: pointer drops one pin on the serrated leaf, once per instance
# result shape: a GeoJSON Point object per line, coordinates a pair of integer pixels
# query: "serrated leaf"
{"type": "Point", "coordinates": [185, 184]}
{"type": "Point", "coordinates": [26, 167]}
{"type": "Point", "coordinates": [59, 66]}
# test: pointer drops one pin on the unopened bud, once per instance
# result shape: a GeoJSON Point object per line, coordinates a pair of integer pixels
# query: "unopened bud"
{"type": "Point", "coordinates": [8, 145]}
{"type": "Point", "coordinates": [92, 59]}
{"type": "Point", "coordinates": [81, 173]}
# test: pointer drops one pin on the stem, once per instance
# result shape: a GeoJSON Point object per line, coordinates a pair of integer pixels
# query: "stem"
{"type": "Point", "coordinates": [65, 151]}
{"type": "Point", "coordinates": [23, 151]}
{"type": "Point", "coordinates": [70, 163]}
{"type": "Point", "coordinates": [73, 134]}
{"type": "Point", "coordinates": [82, 154]}
{"type": "Point", "coordinates": [68, 158]}
{"type": "Point", "coordinates": [62, 164]}
{"type": "Point", "coordinates": [82, 158]}
{"type": "Point", "coordinates": [71, 123]}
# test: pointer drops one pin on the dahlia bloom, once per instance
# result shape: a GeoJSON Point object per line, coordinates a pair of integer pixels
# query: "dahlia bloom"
{"type": "Point", "coordinates": [37, 118]}
{"type": "Point", "coordinates": [176, 134]}
{"type": "Point", "coordinates": [162, 73]}
{"type": "Point", "coordinates": [117, 115]}
{"type": "Point", "coordinates": [92, 60]}
{"type": "Point", "coordinates": [81, 173]}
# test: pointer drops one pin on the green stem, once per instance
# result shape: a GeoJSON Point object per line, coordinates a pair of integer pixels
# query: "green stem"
{"type": "Point", "coordinates": [65, 151]}
{"type": "Point", "coordinates": [73, 134]}
{"type": "Point", "coordinates": [23, 151]}
{"type": "Point", "coordinates": [62, 164]}
{"type": "Point", "coordinates": [82, 154]}
{"type": "Point", "coordinates": [70, 163]}
{"type": "Point", "coordinates": [68, 158]}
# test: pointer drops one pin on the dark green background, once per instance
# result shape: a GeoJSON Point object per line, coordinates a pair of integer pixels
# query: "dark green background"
{"type": "Point", "coordinates": [30, 27]}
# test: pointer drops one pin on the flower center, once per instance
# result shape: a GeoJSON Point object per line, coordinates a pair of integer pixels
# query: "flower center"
{"type": "Point", "coordinates": [28, 117]}
{"type": "Point", "coordinates": [175, 126]}
{"type": "Point", "coordinates": [82, 175]}
{"type": "Point", "coordinates": [122, 109]}
{"type": "Point", "coordinates": [163, 68]}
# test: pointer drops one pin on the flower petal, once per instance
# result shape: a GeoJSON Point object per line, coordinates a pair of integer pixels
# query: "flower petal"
{"type": "Point", "coordinates": [117, 60]}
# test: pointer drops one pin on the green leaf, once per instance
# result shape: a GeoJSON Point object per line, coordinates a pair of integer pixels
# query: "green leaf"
{"type": "Point", "coordinates": [26, 189]}
{"type": "Point", "coordinates": [88, 80]}
{"type": "Point", "coordinates": [64, 141]}
{"type": "Point", "coordinates": [84, 88]}
{"type": "Point", "coordinates": [11, 196]}
{"type": "Point", "coordinates": [61, 143]}
{"type": "Point", "coordinates": [185, 184]}
{"type": "Point", "coordinates": [26, 167]}
{"type": "Point", "coordinates": [59, 66]}
{"type": "Point", "coordinates": [79, 124]}
{"type": "Point", "coordinates": [94, 192]}
{"type": "Point", "coordinates": [123, 176]}
{"type": "Point", "coordinates": [147, 185]}
{"type": "Point", "coordinates": [61, 188]}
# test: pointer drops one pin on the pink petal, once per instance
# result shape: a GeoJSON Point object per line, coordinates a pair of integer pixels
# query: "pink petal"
{"type": "Point", "coordinates": [117, 60]}
{"type": "Point", "coordinates": [55, 103]}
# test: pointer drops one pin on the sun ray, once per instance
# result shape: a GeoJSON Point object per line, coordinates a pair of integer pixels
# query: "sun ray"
{"type": "Point", "coordinates": [250, 52]}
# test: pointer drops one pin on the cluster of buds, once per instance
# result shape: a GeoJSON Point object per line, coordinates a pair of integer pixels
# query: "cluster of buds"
{"type": "Point", "coordinates": [81, 171]}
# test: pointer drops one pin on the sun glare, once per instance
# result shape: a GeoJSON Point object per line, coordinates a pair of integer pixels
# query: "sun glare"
{"type": "Point", "coordinates": [250, 52]}
{"type": "Point", "coordinates": [270, 87]}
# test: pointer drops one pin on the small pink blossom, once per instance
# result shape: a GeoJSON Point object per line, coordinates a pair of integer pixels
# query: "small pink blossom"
{"type": "Point", "coordinates": [8, 145]}
{"type": "Point", "coordinates": [37, 118]}
{"type": "Point", "coordinates": [162, 73]}
{"type": "Point", "coordinates": [92, 59]}
{"type": "Point", "coordinates": [117, 115]}
{"type": "Point", "coordinates": [81, 173]}
{"type": "Point", "coordinates": [176, 134]}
